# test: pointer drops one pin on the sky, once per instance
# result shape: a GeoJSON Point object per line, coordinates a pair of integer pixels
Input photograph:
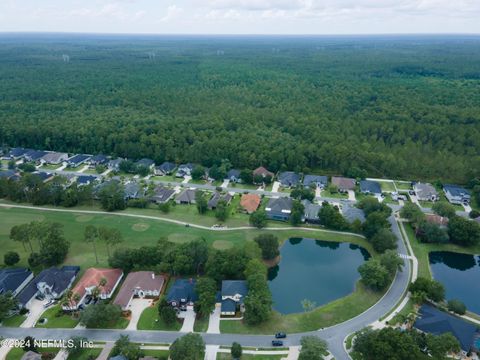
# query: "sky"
{"type": "Point", "coordinates": [241, 16]}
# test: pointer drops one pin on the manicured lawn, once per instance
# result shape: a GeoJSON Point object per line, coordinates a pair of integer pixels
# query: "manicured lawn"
{"type": "Point", "coordinates": [426, 204]}
{"type": "Point", "coordinates": [56, 318]}
{"type": "Point", "coordinates": [134, 235]}
{"type": "Point", "coordinates": [388, 200]}
{"type": "Point", "coordinates": [50, 167]}
{"type": "Point", "coordinates": [402, 315]}
{"type": "Point", "coordinates": [403, 185]}
{"type": "Point", "coordinates": [227, 356]}
{"type": "Point", "coordinates": [14, 321]}
{"type": "Point", "coordinates": [120, 323]}
{"type": "Point", "coordinates": [330, 314]}
{"type": "Point", "coordinates": [86, 354]}
{"type": "Point", "coordinates": [337, 195]}
{"type": "Point", "coordinates": [17, 353]}
{"type": "Point", "coordinates": [201, 324]}
{"type": "Point", "coordinates": [74, 169]}
{"type": "Point", "coordinates": [167, 178]}
{"type": "Point", "coordinates": [149, 320]}
{"type": "Point", "coordinates": [387, 186]}
{"type": "Point", "coordinates": [201, 181]}
{"type": "Point", "coordinates": [244, 186]}
{"type": "Point", "coordinates": [159, 354]}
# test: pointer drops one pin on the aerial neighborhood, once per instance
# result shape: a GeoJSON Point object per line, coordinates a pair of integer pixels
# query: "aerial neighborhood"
{"type": "Point", "coordinates": [190, 287]}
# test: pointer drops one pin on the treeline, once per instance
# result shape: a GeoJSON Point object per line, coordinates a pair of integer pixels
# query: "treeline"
{"type": "Point", "coordinates": [318, 104]}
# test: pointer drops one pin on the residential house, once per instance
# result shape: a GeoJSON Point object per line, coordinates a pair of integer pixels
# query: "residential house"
{"type": "Point", "coordinates": [184, 170]}
{"type": "Point", "coordinates": [146, 163]}
{"type": "Point", "coordinates": [139, 284]}
{"type": "Point", "coordinates": [289, 179]}
{"type": "Point", "coordinates": [7, 174]}
{"type": "Point", "coordinates": [182, 293]}
{"type": "Point", "coordinates": [317, 181]}
{"type": "Point", "coordinates": [250, 202]}
{"type": "Point", "coordinates": [233, 295]}
{"type": "Point", "coordinates": [165, 169]}
{"type": "Point", "coordinates": [233, 175]}
{"type": "Point", "coordinates": [279, 208]}
{"type": "Point", "coordinates": [16, 153]}
{"type": "Point", "coordinates": [93, 279]}
{"type": "Point", "coordinates": [83, 180]}
{"type": "Point", "coordinates": [162, 195]}
{"type": "Point", "coordinates": [311, 212]}
{"type": "Point", "coordinates": [434, 321]}
{"type": "Point", "coordinates": [217, 197]}
{"type": "Point", "coordinates": [370, 187]}
{"type": "Point", "coordinates": [14, 280]}
{"type": "Point", "coordinates": [133, 190]}
{"type": "Point", "coordinates": [456, 194]}
{"type": "Point", "coordinates": [343, 184]}
{"type": "Point", "coordinates": [425, 192]}
{"type": "Point", "coordinates": [97, 160]}
{"type": "Point", "coordinates": [187, 196]}
{"type": "Point", "coordinates": [51, 283]}
{"type": "Point", "coordinates": [352, 213]}
{"type": "Point", "coordinates": [31, 355]}
{"type": "Point", "coordinates": [114, 164]}
{"type": "Point", "coordinates": [263, 173]}
{"type": "Point", "coordinates": [44, 176]}
{"type": "Point", "coordinates": [54, 158]}
{"type": "Point", "coordinates": [441, 221]}
{"type": "Point", "coordinates": [77, 160]}
{"type": "Point", "coordinates": [34, 155]}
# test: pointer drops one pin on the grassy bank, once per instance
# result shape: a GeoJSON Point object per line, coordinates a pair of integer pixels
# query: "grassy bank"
{"type": "Point", "coordinates": [150, 320]}
{"type": "Point", "coordinates": [56, 318]}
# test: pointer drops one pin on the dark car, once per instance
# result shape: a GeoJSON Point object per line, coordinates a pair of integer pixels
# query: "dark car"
{"type": "Point", "coordinates": [280, 335]}
{"type": "Point", "coordinates": [277, 343]}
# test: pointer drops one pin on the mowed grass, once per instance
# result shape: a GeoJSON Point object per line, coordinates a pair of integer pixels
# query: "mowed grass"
{"type": "Point", "coordinates": [330, 314]}
{"type": "Point", "coordinates": [56, 318]}
{"type": "Point", "coordinates": [201, 324]}
{"type": "Point", "coordinates": [403, 185]}
{"type": "Point", "coordinates": [387, 186]}
{"type": "Point", "coordinates": [81, 253]}
{"type": "Point", "coordinates": [17, 353]}
{"type": "Point", "coordinates": [159, 354]}
{"type": "Point", "coordinates": [86, 354]}
{"type": "Point", "coordinates": [150, 320]}
{"type": "Point", "coordinates": [14, 321]}
{"type": "Point", "coordinates": [227, 356]}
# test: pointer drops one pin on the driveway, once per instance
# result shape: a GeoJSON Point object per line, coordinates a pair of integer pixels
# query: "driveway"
{"type": "Point", "coordinates": [276, 186]}
{"type": "Point", "coordinates": [211, 352]}
{"type": "Point", "coordinates": [186, 179]}
{"type": "Point", "coordinates": [136, 307]}
{"type": "Point", "coordinates": [36, 310]}
{"type": "Point", "coordinates": [351, 195]}
{"type": "Point", "coordinates": [214, 321]}
{"type": "Point", "coordinates": [225, 183]}
{"type": "Point", "coordinates": [188, 320]}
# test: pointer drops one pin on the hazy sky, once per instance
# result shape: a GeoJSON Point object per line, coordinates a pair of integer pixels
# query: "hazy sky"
{"type": "Point", "coordinates": [242, 16]}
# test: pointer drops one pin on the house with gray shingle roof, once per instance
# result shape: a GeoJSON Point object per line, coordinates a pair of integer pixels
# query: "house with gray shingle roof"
{"type": "Point", "coordinates": [162, 195]}
{"type": "Point", "coordinates": [289, 178]}
{"type": "Point", "coordinates": [165, 169]}
{"type": "Point", "coordinates": [217, 197]}
{"type": "Point", "coordinates": [233, 295]}
{"type": "Point", "coordinates": [234, 176]}
{"type": "Point", "coordinates": [186, 197]}
{"type": "Point", "coordinates": [425, 192]}
{"type": "Point", "coordinates": [54, 158]}
{"type": "Point", "coordinates": [184, 170]}
{"type": "Point", "coordinates": [456, 194]}
{"type": "Point", "coordinates": [318, 181]}
{"type": "Point", "coordinates": [311, 212]}
{"type": "Point", "coordinates": [146, 163]}
{"type": "Point", "coordinates": [279, 208]}
{"type": "Point", "coordinates": [14, 280]}
{"type": "Point", "coordinates": [343, 184]}
{"type": "Point", "coordinates": [352, 213]}
{"type": "Point", "coordinates": [370, 187]}
{"type": "Point", "coordinates": [77, 160]}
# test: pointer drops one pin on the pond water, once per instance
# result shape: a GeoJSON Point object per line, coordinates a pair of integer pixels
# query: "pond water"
{"type": "Point", "coordinates": [319, 271]}
{"type": "Point", "coordinates": [460, 274]}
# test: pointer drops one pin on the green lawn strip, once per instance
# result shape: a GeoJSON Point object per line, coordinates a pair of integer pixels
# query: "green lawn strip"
{"type": "Point", "coordinates": [227, 356]}
{"type": "Point", "coordinates": [201, 324]}
{"type": "Point", "coordinates": [81, 253]}
{"type": "Point", "coordinates": [402, 314]}
{"type": "Point", "coordinates": [335, 195]}
{"type": "Point", "coordinates": [426, 204]}
{"type": "Point", "coordinates": [403, 185]}
{"type": "Point", "coordinates": [159, 354]}
{"type": "Point", "coordinates": [56, 318]}
{"type": "Point", "coordinates": [17, 353]}
{"type": "Point", "coordinates": [14, 321]}
{"type": "Point", "coordinates": [86, 354]}
{"type": "Point", "coordinates": [388, 200]}
{"type": "Point", "coordinates": [330, 314]}
{"type": "Point", "coordinates": [243, 186]}
{"type": "Point", "coordinates": [119, 323]}
{"type": "Point", "coordinates": [150, 320]}
{"type": "Point", "coordinates": [50, 167]}
{"type": "Point", "coordinates": [387, 186]}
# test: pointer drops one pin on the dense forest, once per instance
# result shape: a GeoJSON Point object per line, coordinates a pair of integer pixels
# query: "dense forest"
{"type": "Point", "coordinates": [404, 107]}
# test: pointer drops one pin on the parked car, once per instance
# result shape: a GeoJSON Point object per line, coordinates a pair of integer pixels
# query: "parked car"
{"type": "Point", "coordinates": [277, 343]}
{"type": "Point", "coordinates": [280, 335]}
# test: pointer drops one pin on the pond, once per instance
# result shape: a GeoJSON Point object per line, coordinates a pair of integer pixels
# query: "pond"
{"type": "Point", "coordinates": [314, 270]}
{"type": "Point", "coordinates": [460, 274]}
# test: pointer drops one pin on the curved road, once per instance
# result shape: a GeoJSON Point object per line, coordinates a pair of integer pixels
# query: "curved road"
{"type": "Point", "coordinates": [334, 335]}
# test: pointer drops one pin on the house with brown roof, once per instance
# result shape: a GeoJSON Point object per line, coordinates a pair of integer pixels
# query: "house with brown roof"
{"type": "Point", "coordinates": [250, 202]}
{"type": "Point", "coordinates": [105, 280]}
{"type": "Point", "coordinates": [343, 184]}
{"type": "Point", "coordinates": [140, 284]}
{"type": "Point", "coordinates": [262, 172]}
{"type": "Point", "coordinates": [441, 221]}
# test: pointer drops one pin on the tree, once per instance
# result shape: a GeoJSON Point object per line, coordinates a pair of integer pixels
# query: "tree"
{"type": "Point", "coordinates": [431, 233]}
{"type": "Point", "coordinates": [123, 346]}
{"type": "Point", "coordinates": [11, 258]}
{"type": "Point", "coordinates": [100, 315]}
{"type": "Point", "coordinates": [206, 289]}
{"type": "Point", "coordinates": [112, 196]}
{"type": "Point", "coordinates": [198, 172]}
{"type": "Point", "coordinates": [164, 207]}
{"type": "Point", "coordinates": [464, 232]}
{"type": "Point", "coordinates": [21, 233]}
{"type": "Point", "coordinates": [444, 208]}
{"type": "Point", "coordinates": [302, 193]}
{"type": "Point", "coordinates": [374, 274]}
{"type": "Point", "coordinates": [258, 302]}
{"type": "Point", "coordinates": [313, 348]}
{"type": "Point", "coordinates": [221, 211]}
{"type": "Point", "coordinates": [371, 204]}
{"type": "Point", "coordinates": [431, 288]}
{"type": "Point", "coordinates": [54, 247]}
{"type": "Point", "coordinates": [188, 347]}
{"type": "Point", "coordinates": [330, 217]}
{"type": "Point", "coordinates": [457, 306]}
{"type": "Point", "coordinates": [90, 236]}
{"type": "Point", "coordinates": [7, 304]}
{"type": "Point", "coordinates": [166, 312]}
{"type": "Point", "coordinates": [298, 210]}
{"type": "Point", "coordinates": [268, 243]}
{"type": "Point", "coordinates": [258, 219]}
{"type": "Point", "coordinates": [412, 213]}
{"type": "Point", "coordinates": [384, 240]}
{"type": "Point", "coordinates": [236, 351]}
{"type": "Point", "coordinates": [110, 237]}
{"type": "Point", "coordinates": [246, 176]}
{"type": "Point", "coordinates": [76, 345]}
{"type": "Point", "coordinates": [201, 202]}
{"type": "Point", "coordinates": [391, 261]}
{"type": "Point", "coordinates": [374, 222]}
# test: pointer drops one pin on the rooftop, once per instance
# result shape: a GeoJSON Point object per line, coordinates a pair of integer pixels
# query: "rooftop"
{"type": "Point", "coordinates": [142, 280]}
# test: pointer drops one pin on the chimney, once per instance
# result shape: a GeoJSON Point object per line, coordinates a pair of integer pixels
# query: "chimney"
{"type": "Point", "coordinates": [153, 275]}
